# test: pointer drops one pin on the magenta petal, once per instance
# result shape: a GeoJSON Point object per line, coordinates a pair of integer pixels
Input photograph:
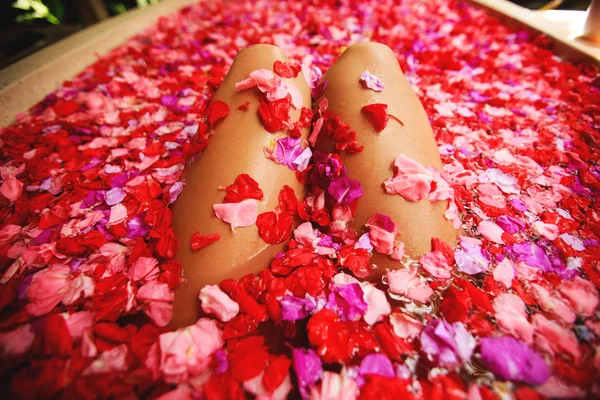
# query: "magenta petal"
{"type": "Point", "coordinates": [348, 302]}
{"type": "Point", "coordinates": [471, 258]}
{"type": "Point", "coordinates": [377, 364]}
{"type": "Point", "coordinates": [447, 345]}
{"type": "Point", "coordinates": [345, 190]}
{"type": "Point", "coordinates": [294, 308]}
{"type": "Point", "coordinates": [309, 370]}
{"type": "Point", "coordinates": [531, 254]}
{"type": "Point", "coordinates": [512, 360]}
{"type": "Point", "coordinates": [115, 196]}
{"type": "Point", "coordinates": [287, 150]}
{"type": "Point", "coordinates": [510, 224]}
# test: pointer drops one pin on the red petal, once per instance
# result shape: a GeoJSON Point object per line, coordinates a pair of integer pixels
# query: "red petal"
{"type": "Point", "coordinates": [243, 188]}
{"type": "Point", "coordinates": [287, 69]}
{"type": "Point", "coordinates": [288, 202]}
{"type": "Point", "coordinates": [445, 248]}
{"type": "Point", "coordinates": [63, 108]}
{"type": "Point", "coordinates": [276, 372]}
{"type": "Point", "coordinates": [455, 304]}
{"type": "Point", "coordinates": [199, 241]}
{"type": "Point", "coordinates": [273, 114]}
{"type": "Point", "coordinates": [217, 110]}
{"type": "Point", "coordinates": [357, 260]}
{"type": "Point", "coordinates": [274, 227]}
{"type": "Point", "coordinates": [223, 387]}
{"type": "Point", "coordinates": [377, 115]}
{"type": "Point", "coordinates": [248, 358]}
{"type": "Point", "coordinates": [54, 340]}
{"type": "Point", "coordinates": [382, 388]}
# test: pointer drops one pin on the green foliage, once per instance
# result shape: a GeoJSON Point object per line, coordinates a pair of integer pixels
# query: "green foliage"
{"type": "Point", "coordinates": [117, 8]}
{"type": "Point", "coordinates": [144, 3]}
{"type": "Point", "coordinates": [35, 10]}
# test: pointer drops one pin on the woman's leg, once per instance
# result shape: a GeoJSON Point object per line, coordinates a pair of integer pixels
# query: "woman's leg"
{"type": "Point", "coordinates": [236, 148]}
{"type": "Point", "coordinates": [418, 221]}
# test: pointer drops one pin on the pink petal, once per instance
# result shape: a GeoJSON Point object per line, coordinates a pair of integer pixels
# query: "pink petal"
{"type": "Point", "coordinates": [406, 282]}
{"type": "Point", "coordinates": [15, 343]}
{"type": "Point", "coordinates": [277, 93]}
{"type": "Point", "coordinates": [113, 360]}
{"type": "Point", "coordinates": [8, 232]}
{"type": "Point", "coordinates": [552, 303]}
{"type": "Point", "coordinates": [115, 196]}
{"type": "Point", "coordinates": [398, 251]}
{"type": "Point", "coordinates": [78, 322]}
{"type": "Point", "coordinates": [144, 268]}
{"type": "Point", "coordinates": [186, 353]}
{"type": "Point", "coordinates": [118, 214]}
{"type": "Point", "coordinates": [237, 214]}
{"type": "Point", "coordinates": [435, 263]}
{"type": "Point", "coordinates": [490, 194]}
{"type": "Point", "coordinates": [504, 273]}
{"type": "Point", "coordinates": [582, 295]}
{"type": "Point", "coordinates": [160, 312]}
{"type": "Point", "coordinates": [411, 180]}
{"type": "Point", "coordinates": [295, 95]}
{"type": "Point", "coordinates": [553, 338]}
{"type": "Point", "coordinates": [443, 190]}
{"type": "Point", "coordinates": [371, 81]}
{"type": "Point", "coordinates": [549, 231]}
{"type": "Point", "coordinates": [245, 84]}
{"type": "Point", "coordinates": [382, 236]}
{"type": "Point", "coordinates": [490, 231]}
{"type": "Point", "coordinates": [556, 388]}
{"type": "Point", "coordinates": [265, 79]}
{"type": "Point", "coordinates": [512, 317]}
{"type": "Point", "coordinates": [405, 326]}
{"type": "Point", "coordinates": [334, 386]}
{"type": "Point", "coordinates": [377, 304]}
{"type": "Point", "coordinates": [11, 188]}
{"type": "Point", "coordinates": [315, 131]}
{"type": "Point", "coordinates": [47, 289]}
{"type": "Point", "coordinates": [216, 302]}
{"type": "Point", "coordinates": [81, 285]}
{"type": "Point", "coordinates": [88, 347]}
{"type": "Point", "coordinates": [155, 291]}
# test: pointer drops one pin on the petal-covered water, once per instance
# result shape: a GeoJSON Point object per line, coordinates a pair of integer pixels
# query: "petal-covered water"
{"type": "Point", "coordinates": [87, 266]}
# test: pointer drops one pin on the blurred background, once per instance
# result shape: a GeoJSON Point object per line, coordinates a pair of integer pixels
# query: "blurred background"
{"type": "Point", "coordinates": [29, 25]}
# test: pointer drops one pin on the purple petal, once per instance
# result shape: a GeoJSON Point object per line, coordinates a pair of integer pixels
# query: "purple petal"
{"type": "Point", "coordinates": [510, 224]}
{"type": "Point", "coordinates": [364, 242]}
{"type": "Point", "coordinates": [345, 190]}
{"type": "Point", "coordinates": [471, 258]}
{"type": "Point", "coordinates": [531, 254]}
{"type": "Point", "coordinates": [222, 363]}
{"type": "Point", "coordinates": [294, 308]}
{"type": "Point", "coordinates": [169, 101]}
{"type": "Point", "coordinates": [300, 163]}
{"type": "Point", "coordinates": [348, 302]}
{"type": "Point", "coordinates": [174, 191]}
{"type": "Point", "coordinates": [377, 364]}
{"type": "Point", "coordinates": [447, 345]}
{"type": "Point", "coordinates": [309, 370]}
{"type": "Point", "coordinates": [371, 81]}
{"type": "Point", "coordinates": [115, 196]}
{"type": "Point", "coordinates": [512, 360]}
{"type": "Point", "coordinates": [287, 150]}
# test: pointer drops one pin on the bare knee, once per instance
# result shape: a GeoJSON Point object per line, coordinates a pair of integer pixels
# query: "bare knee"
{"type": "Point", "coordinates": [370, 49]}
{"type": "Point", "coordinates": [370, 53]}
{"type": "Point", "coordinates": [261, 51]}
